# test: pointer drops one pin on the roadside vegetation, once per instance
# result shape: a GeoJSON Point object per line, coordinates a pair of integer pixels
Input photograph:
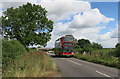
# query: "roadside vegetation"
{"type": "Point", "coordinates": [11, 50]}
{"type": "Point", "coordinates": [18, 62]}
{"type": "Point", "coordinates": [94, 52]}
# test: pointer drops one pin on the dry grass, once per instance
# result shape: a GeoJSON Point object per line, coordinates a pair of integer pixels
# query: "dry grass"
{"type": "Point", "coordinates": [35, 64]}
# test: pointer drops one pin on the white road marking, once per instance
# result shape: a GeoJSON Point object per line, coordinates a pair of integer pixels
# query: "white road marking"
{"type": "Point", "coordinates": [62, 58]}
{"type": "Point", "coordinates": [74, 62]}
{"type": "Point", "coordinates": [103, 74]}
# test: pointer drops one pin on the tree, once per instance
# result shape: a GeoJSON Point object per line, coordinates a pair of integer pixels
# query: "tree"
{"type": "Point", "coordinates": [83, 42]}
{"type": "Point", "coordinates": [77, 48]}
{"type": "Point", "coordinates": [28, 24]}
{"type": "Point", "coordinates": [117, 45]}
{"type": "Point", "coordinates": [117, 50]}
{"type": "Point", "coordinates": [96, 46]}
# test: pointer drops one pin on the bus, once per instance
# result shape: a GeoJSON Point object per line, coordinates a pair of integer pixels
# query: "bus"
{"type": "Point", "coordinates": [64, 46]}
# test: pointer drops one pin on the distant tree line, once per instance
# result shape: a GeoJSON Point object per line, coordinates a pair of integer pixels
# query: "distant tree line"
{"type": "Point", "coordinates": [84, 45]}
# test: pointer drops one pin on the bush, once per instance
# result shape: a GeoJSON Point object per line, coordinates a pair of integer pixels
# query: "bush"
{"type": "Point", "coordinates": [33, 49]}
{"type": "Point", "coordinates": [11, 49]}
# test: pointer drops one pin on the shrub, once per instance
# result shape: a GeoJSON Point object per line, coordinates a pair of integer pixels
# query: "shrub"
{"type": "Point", "coordinates": [33, 49]}
{"type": "Point", "coordinates": [11, 49]}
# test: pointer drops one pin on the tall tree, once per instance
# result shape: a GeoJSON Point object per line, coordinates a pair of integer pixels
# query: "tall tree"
{"type": "Point", "coordinates": [96, 45]}
{"type": "Point", "coordinates": [28, 24]}
{"type": "Point", "coordinates": [83, 42]}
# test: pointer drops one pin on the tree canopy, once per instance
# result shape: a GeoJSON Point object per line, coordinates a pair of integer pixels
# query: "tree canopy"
{"type": "Point", "coordinates": [28, 24]}
{"type": "Point", "coordinates": [83, 42]}
{"type": "Point", "coordinates": [96, 45]}
{"type": "Point", "coordinates": [117, 45]}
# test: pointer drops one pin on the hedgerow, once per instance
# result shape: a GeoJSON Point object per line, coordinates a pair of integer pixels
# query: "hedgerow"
{"type": "Point", "coordinates": [11, 49]}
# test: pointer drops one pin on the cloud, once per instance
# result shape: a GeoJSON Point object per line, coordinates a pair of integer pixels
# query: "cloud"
{"type": "Point", "coordinates": [114, 33]}
{"type": "Point", "coordinates": [103, 0]}
{"type": "Point", "coordinates": [0, 9]}
{"type": "Point", "coordinates": [13, 3]}
{"type": "Point", "coordinates": [62, 10]}
{"type": "Point", "coordinates": [89, 18]}
{"type": "Point", "coordinates": [90, 33]}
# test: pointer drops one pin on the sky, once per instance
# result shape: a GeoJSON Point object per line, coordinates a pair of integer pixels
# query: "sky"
{"type": "Point", "coordinates": [95, 21]}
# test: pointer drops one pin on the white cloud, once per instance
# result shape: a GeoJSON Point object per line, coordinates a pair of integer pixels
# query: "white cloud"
{"type": "Point", "coordinates": [14, 3]}
{"type": "Point", "coordinates": [103, 0]}
{"type": "Point", "coordinates": [87, 33]}
{"type": "Point", "coordinates": [62, 10]}
{"type": "Point", "coordinates": [89, 18]}
{"type": "Point", "coordinates": [114, 33]}
{"type": "Point", "coordinates": [0, 9]}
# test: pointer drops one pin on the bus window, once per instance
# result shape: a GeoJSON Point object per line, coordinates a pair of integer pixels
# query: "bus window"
{"type": "Point", "coordinates": [67, 39]}
{"type": "Point", "coordinates": [67, 43]}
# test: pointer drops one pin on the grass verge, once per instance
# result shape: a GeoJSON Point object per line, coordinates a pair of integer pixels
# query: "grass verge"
{"type": "Point", "coordinates": [112, 62]}
{"type": "Point", "coordinates": [35, 64]}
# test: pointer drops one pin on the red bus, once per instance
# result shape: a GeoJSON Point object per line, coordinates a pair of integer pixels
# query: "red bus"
{"type": "Point", "coordinates": [64, 46]}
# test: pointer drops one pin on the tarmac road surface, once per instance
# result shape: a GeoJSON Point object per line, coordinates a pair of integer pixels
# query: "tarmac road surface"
{"type": "Point", "coordinates": [72, 67]}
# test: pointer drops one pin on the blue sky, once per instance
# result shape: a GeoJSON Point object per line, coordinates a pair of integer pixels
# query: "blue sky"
{"type": "Point", "coordinates": [109, 9]}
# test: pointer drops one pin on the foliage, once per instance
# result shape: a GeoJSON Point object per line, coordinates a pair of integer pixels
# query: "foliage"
{"type": "Point", "coordinates": [84, 45]}
{"type": "Point", "coordinates": [11, 49]}
{"type": "Point", "coordinates": [94, 52]}
{"type": "Point", "coordinates": [35, 64]}
{"type": "Point", "coordinates": [96, 45]}
{"type": "Point", "coordinates": [77, 48]}
{"type": "Point", "coordinates": [113, 61]}
{"type": "Point", "coordinates": [28, 24]}
{"type": "Point", "coordinates": [39, 47]}
{"type": "Point", "coordinates": [33, 49]}
{"type": "Point", "coordinates": [117, 45]}
{"type": "Point", "coordinates": [118, 51]}
{"type": "Point", "coordinates": [83, 42]}
{"type": "Point", "coordinates": [87, 49]}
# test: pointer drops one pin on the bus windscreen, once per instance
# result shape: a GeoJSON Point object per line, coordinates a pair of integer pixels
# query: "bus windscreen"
{"type": "Point", "coordinates": [67, 39]}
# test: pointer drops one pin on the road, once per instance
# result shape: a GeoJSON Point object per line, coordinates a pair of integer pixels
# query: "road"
{"type": "Point", "coordinates": [72, 67]}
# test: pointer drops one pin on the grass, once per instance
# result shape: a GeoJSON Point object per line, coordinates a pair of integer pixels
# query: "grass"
{"type": "Point", "coordinates": [52, 52]}
{"type": "Point", "coordinates": [35, 64]}
{"type": "Point", "coordinates": [108, 61]}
